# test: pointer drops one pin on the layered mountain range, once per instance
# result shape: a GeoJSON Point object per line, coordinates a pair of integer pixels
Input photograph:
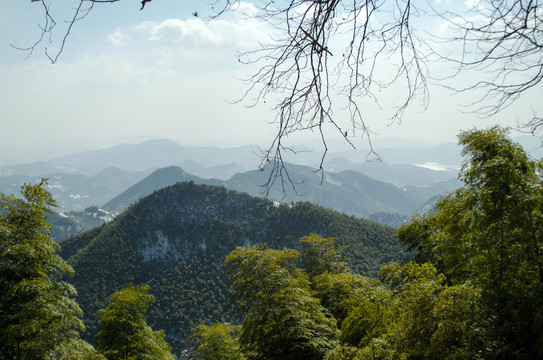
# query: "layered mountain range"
{"type": "Point", "coordinates": [114, 178]}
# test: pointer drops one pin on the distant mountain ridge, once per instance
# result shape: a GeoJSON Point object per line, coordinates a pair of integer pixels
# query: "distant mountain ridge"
{"type": "Point", "coordinates": [156, 154]}
{"type": "Point", "coordinates": [107, 178]}
{"type": "Point", "coordinates": [348, 191]}
{"type": "Point", "coordinates": [207, 161]}
{"type": "Point", "coordinates": [159, 179]}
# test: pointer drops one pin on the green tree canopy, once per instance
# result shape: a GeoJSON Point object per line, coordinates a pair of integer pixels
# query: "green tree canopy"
{"type": "Point", "coordinates": [217, 342]}
{"type": "Point", "coordinates": [419, 316]}
{"type": "Point", "coordinates": [124, 334]}
{"type": "Point", "coordinates": [322, 255]}
{"type": "Point", "coordinates": [432, 319]}
{"type": "Point", "coordinates": [39, 318]}
{"type": "Point", "coordinates": [489, 234]}
{"type": "Point", "coordinates": [282, 318]}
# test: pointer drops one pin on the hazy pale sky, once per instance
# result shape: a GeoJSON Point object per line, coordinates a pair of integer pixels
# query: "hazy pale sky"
{"type": "Point", "coordinates": [128, 75]}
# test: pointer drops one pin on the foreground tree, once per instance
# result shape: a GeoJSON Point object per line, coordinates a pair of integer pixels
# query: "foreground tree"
{"type": "Point", "coordinates": [124, 333]}
{"type": "Point", "coordinates": [77, 349]}
{"type": "Point", "coordinates": [282, 319]}
{"type": "Point", "coordinates": [217, 342]}
{"type": "Point", "coordinates": [322, 256]}
{"type": "Point", "coordinates": [417, 315]}
{"type": "Point", "coordinates": [432, 320]}
{"type": "Point", "coordinates": [359, 304]}
{"type": "Point", "coordinates": [39, 318]}
{"type": "Point", "coordinates": [488, 234]}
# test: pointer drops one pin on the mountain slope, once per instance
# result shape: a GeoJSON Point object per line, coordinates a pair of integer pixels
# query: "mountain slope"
{"type": "Point", "coordinates": [76, 222]}
{"type": "Point", "coordinates": [176, 240]}
{"type": "Point", "coordinates": [347, 191]}
{"type": "Point", "coordinates": [157, 180]}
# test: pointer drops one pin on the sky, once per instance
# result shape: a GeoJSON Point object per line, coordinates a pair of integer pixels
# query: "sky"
{"type": "Point", "coordinates": [128, 75]}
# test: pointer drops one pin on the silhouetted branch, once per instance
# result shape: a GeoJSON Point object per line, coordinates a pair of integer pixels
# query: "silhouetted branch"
{"type": "Point", "coordinates": [503, 42]}
{"type": "Point", "coordinates": [327, 58]}
{"type": "Point", "coordinates": [298, 65]}
{"type": "Point", "coordinates": [79, 13]}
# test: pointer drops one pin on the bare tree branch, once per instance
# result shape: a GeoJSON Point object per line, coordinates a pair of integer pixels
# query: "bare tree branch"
{"type": "Point", "coordinates": [379, 50]}
{"type": "Point", "coordinates": [80, 12]}
{"type": "Point", "coordinates": [503, 41]}
{"type": "Point", "coordinates": [327, 59]}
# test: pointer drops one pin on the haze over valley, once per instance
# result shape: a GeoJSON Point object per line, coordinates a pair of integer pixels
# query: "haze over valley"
{"type": "Point", "coordinates": [92, 187]}
{"type": "Point", "coordinates": [111, 179]}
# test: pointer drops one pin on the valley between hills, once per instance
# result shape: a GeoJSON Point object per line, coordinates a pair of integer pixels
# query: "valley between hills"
{"type": "Point", "coordinates": [93, 186]}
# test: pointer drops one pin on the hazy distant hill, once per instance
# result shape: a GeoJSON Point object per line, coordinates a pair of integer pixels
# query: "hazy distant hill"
{"type": "Point", "coordinates": [347, 191]}
{"type": "Point", "coordinates": [100, 176]}
{"type": "Point", "coordinates": [75, 192]}
{"type": "Point", "coordinates": [176, 240]}
{"type": "Point", "coordinates": [399, 174]}
{"type": "Point", "coordinates": [157, 180]}
{"type": "Point", "coordinates": [447, 154]}
{"type": "Point", "coordinates": [221, 172]}
{"type": "Point", "coordinates": [428, 192]}
{"type": "Point", "coordinates": [200, 161]}
{"type": "Point", "coordinates": [157, 153]}
{"type": "Point", "coordinates": [403, 151]}
{"type": "Point", "coordinates": [39, 168]}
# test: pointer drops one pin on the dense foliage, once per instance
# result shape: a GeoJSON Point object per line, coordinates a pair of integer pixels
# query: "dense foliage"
{"type": "Point", "coordinates": [489, 234]}
{"type": "Point", "coordinates": [473, 290]}
{"type": "Point", "coordinates": [282, 320]}
{"type": "Point", "coordinates": [219, 342]}
{"type": "Point", "coordinates": [39, 318]}
{"type": "Point", "coordinates": [124, 333]}
{"type": "Point", "coordinates": [176, 240]}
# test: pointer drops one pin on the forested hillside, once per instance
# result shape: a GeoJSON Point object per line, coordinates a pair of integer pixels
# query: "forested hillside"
{"type": "Point", "coordinates": [471, 288]}
{"type": "Point", "coordinates": [176, 239]}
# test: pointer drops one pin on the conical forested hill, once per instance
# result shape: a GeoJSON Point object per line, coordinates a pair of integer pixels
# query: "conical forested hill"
{"type": "Point", "coordinates": [176, 239]}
